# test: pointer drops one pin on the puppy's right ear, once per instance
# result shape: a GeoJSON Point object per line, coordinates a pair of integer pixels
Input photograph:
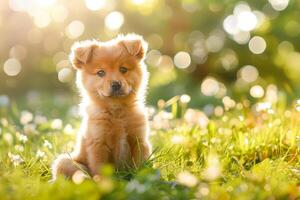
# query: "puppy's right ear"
{"type": "Point", "coordinates": [81, 53]}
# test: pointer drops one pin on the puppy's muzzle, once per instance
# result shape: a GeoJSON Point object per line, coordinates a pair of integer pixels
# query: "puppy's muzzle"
{"type": "Point", "coordinates": [116, 86]}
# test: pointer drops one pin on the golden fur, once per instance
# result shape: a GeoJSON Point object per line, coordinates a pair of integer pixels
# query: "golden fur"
{"type": "Point", "coordinates": [114, 128]}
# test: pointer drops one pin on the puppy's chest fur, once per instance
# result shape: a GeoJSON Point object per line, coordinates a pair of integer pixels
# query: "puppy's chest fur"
{"type": "Point", "coordinates": [111, 128]}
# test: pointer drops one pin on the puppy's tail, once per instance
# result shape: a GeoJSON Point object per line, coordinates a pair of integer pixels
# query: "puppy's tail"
{"type": "Point", "coordinates": [66, 165]}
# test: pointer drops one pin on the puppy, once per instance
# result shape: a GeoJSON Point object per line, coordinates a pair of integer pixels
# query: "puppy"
{"type": "Point", "coordinates": [112, 79]}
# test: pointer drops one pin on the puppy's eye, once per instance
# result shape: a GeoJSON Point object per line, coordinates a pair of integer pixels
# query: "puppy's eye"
{"type": "Point", "coordinates": [101, 73]}
{"type": "Point", "coordinates": [123, 70]}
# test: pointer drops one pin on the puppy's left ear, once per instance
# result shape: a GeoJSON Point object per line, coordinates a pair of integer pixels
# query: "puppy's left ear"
{"type": "Point", "coordinates": [135, 45]}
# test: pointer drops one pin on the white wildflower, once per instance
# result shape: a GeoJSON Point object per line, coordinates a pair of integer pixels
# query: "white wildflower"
{"type": "Point", "coordinates": [19, 148]}
{"type": "Point", "coordinates": [187, 179]}
{"type": "Point", "coordinates": [68, 129]}
{"type": "Point", "coordinates": [213, 167]}
{"type": "Point", "coordinates": [178, 139]}
{"type": "Point", "coordinates": [47, 144]}
{"type": "Point", "coordinates": [8, 138]}
{"type": "Point", "coordinates": [29, 129]}
{"type": "Point", "coordinates": [40, 154]}
{"type": "Point", "coordinates": [15, 159]}
{"type": "Point", "coordinates": [22, 138]}
{"type": "Point", "coordinates": [194, 116]}
{"type": "Point", "coordinates": [78, 177]}
{"type": "Point", "coordinates": [56, 124]}
{"type": "Point", "coordinates": [26, 117]}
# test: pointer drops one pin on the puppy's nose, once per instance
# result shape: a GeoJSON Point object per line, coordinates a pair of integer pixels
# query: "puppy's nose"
{"type": "Point", "coordinates": [116, 86]}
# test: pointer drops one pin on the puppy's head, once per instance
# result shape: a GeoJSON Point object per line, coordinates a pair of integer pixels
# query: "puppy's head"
{"type": "Point", "coordinates": [110, 69]}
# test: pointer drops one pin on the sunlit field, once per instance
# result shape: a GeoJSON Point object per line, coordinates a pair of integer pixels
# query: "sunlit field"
{"type": "Point", "coordinates": [223, 98]}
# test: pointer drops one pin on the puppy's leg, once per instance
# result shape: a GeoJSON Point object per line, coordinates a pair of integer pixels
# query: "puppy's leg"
{"type": "Point", "coordinates": [66, 165]}
{"type": "Point", "coordinates": [121, 152]}
{"type": "Point", "coordinates": [97, 154]}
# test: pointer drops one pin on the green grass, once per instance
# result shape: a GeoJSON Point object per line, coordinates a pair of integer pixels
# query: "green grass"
{"type": "Point", "coordinates": [242, 154]}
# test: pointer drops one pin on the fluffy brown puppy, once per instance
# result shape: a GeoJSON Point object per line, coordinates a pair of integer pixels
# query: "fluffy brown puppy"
{"type": "Point", "coordinates": [112, 79]}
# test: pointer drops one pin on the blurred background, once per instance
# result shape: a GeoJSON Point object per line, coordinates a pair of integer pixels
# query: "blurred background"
{"type": "Point", "coordinates": [209, 51]}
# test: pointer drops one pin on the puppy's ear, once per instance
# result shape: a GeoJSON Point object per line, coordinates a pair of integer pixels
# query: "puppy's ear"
{"type": "Point", "coordinates": [135, 45]}
{"type": "Point", "coordinates": [81, 53]}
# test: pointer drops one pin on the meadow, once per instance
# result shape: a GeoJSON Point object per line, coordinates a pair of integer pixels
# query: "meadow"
{"type": "Point", "coordinates": [223, 98]}
{"type": "Point", "coordinates": [242, 151]}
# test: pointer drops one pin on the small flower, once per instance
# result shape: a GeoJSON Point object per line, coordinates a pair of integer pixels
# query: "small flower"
{"type": "Point", "coordinates": [26, 117]}
{"type": "Point", "coordinates": [228, 102]}
{"type": "Point", "coordinates": [8, 138]}
{"type": "Point", "coordinates": [56, 124]}
{"type": "Point", "coordinates": [263, 106]}
{"type": "Point", "coordinates": [40, 154]}
{"type": "Point", "coordinates": [15, 159]}
{"type": "Point", "coordinates": [178, 139]}
{"type": "Point", "coordinates": [19, 148]}
{"type": "Point", "coordinates": [47, 144]}
{"type": "Point", "coordinates": [213, 168]}
{"type": "Point", "coordinates": [4, 122]}
{"type": "Point", "coordinates": [68, 129]}
{"type": "Point", "coordinates": [187, 179]}
{"type": "Point", "coordinates": [78, 177]}
{"type": "Point", "coordinates": [194, 116]}
{"type": "Point", "coordinates": [22, 138]}
{"type": "Point", "coordinates": [202, 191]}
{"type": "Point", "coordinates": [29, 129]}
{"type": "Point", "coordinates": [162, 120]}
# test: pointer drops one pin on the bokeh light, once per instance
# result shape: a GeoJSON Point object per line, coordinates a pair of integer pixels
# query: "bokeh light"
{"type": "Point", "coordinates": [257, 45]}
{"type": "Point", "coordinates": [42, 19]}
{"type": "Point", "coordinates": [114, 20]}
{"type": "Point", "coordinates": [18, 51]}
{"type": "Point", "coordinates": [246, 21]}
{"type": "Point", "coordinates": [95, 4]}
{"type": "Point", "coordinates": [75, 29]}
{"type": "Point", "coordinates": [153, 57]}
{"type": "Point", "coordinates": [279, 5]}
{"type": "Point", "coordinates": [12, 67]}
{"type": "Point", "coordinates": [65, 75]}
{"type": "Point", "coordinates": [18, 5]}
{"type": "Point", "coordinates": [138, 2]}
{"type": "Point", "coordinates": [59, 13]}
{"type": "Point", "coordinates": [210, 86]}
{"type": "Point", "coordinates": [182, 60]}
{"type": "Point", "coordinates": [248, 73]}
{"type": "Point", "coordinates": [257, 91]}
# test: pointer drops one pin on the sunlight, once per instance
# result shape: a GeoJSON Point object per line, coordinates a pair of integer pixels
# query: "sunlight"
{"type": "Point", "coordinates": [12, 67]}
{"type": "Point", "coordinates": [65, 75]}
{"type": "Point", "coordinates": [182, 60]}
{"type": "Point", "coordinates": [75, 29]}
{"type": "Point", "coordinates": [246, 21]}
{"type": "Point", "coordinates": [59, 13]}
{"type": "Point", "coordinates": [138, 2]}
{"type": "Point", "coordinates": [279, 5]}
{"type": "Point", "coordinates": [45, 3]}
{"type": "Point", "coordinates": [210, 86]}
{"type": "Point", "coordinates": [114, 20]}
{"type": "Point", "coordinates": [257, 91]}
{"type": "Point", "coordinates": [257, 45]}
{"type": "Point", "coordinates": [42, 19]}
{"type": "Point", "coordinates": [248, 73]}
{"type": "Point", "coordinates": [95, 4]}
